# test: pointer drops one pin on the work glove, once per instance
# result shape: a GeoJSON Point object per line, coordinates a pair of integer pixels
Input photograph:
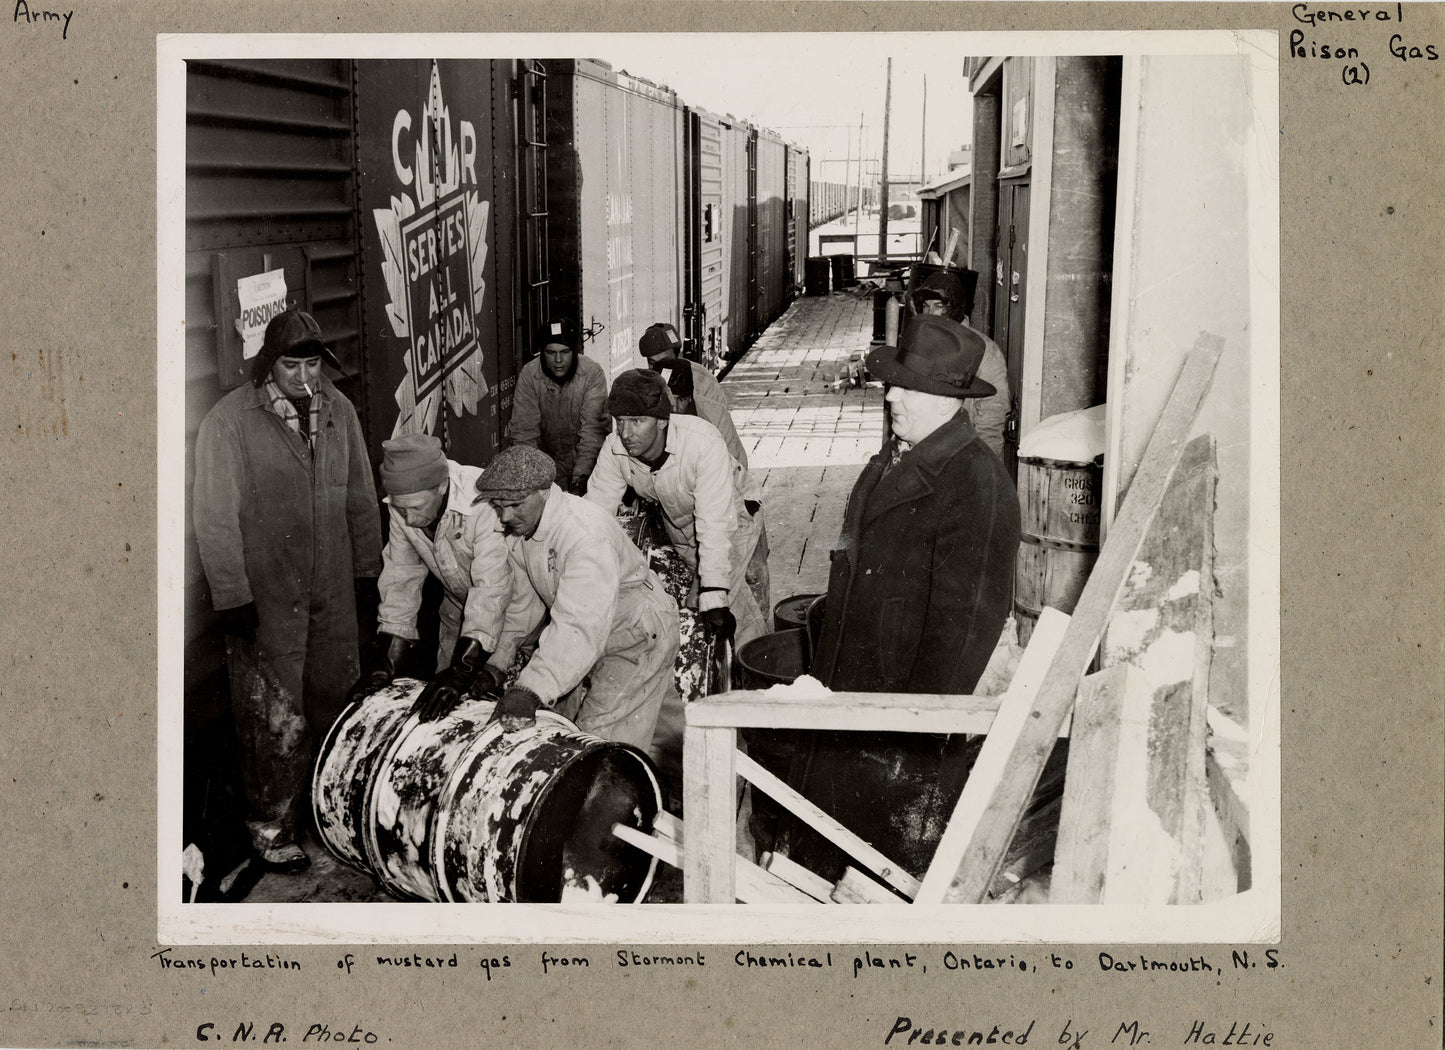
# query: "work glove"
{"type": "Point", "coordinates": [382, 660]}
{"type": "Point", "coordinates": [488, 683]}
{"type": "Point", "coordinates": [720, 621]}
{"type": "Point", "coordinates": [578, 485]}
{"type": "Point", "coordinates": [452, 683]}
{"type": "Point", "coordinates": [240, 621]}
{"type": "Point", "coordinates": [517, 709]}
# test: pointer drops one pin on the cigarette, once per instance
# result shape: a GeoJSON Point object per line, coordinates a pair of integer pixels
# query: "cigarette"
{"type": "Point", "coordinates": [308, 388]}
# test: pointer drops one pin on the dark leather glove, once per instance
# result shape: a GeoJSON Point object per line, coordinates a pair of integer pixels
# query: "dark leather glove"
{"type": "Point", "coordinates": [240, 621]}
{"type": "Point", "coordinates": [382, 660]}
{"type": "Point", "coordinates": [451, 684]}
{"type": "Point", "coordinates": [721, 622]}
{"type": "Point", "coordinates": [517, 708]}
{"type": "Point", "coordinates": [488, 683]}
{"type": "Point", "coordinates": [578, 485]}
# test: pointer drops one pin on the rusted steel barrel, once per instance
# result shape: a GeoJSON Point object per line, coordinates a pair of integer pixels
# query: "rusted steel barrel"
{"type": "Point", "coordinates": [459, 810]}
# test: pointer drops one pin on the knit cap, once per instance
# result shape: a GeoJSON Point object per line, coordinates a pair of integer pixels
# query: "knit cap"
{"type": "Point", "coordinates": [659, 339]}
{"type": "Point", "coordinates": [639, 392]}
{"type": "Point", "coordinates": [412, 463]}
{"type": "Point", "coordinates": [516, 473]}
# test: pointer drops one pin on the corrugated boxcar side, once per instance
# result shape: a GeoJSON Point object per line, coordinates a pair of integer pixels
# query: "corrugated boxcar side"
{"type": "Point", "coordinates": [269, 185]}
{"type": "Point", "coordinates": [738, 219]}
{"type": "Point", "coordinates": [797, 216]}
{"type": "Point", "coordinates": [771, 281]}
{"type": "Point", "coordinates": [621, 173]}
{"type": "Point", "coordinates": [708, 238]}
{"type": "Point", "coordinates": [439, 229]}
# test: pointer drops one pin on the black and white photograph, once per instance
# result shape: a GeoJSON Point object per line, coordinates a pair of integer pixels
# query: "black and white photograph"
{"type": "Point", "coordinates": [830, 524]}
{"type": "Point", "coordinates": [621, 476]}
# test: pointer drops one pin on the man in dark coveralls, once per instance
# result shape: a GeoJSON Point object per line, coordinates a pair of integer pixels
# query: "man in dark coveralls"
{"type": "Point", "coordinates": [289, 537]}
{"type": "Point", "coordinates": [917, 598]}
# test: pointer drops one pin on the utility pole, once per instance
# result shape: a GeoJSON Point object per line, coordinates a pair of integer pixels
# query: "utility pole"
{"type": "Point", "coordinates": [858, 202]}
{"type": "Point", "coordinates": [883, 176]}
{"type": "Point", "coordinates": [923, 159]}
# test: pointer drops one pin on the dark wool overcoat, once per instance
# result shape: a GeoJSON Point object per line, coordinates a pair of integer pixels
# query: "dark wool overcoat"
{"type": "Point", "coordinates": [923, 574]}
{"type": "Point", "coordinates": [917, 598]}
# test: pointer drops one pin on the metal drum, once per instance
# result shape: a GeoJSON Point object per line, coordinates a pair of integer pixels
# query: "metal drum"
{"type": "Point", "coordinates": [460, 810]}
{"type": "Point", "coordinates": [793, 612]}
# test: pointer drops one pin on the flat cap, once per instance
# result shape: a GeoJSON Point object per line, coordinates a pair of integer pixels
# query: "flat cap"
{"type": "Point", "coordinates": [516, 473]}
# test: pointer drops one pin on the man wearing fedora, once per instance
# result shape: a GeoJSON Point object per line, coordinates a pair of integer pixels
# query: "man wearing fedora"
{"type": "Point", "coordinates": [286, 526]}
{"type": "Point", "coordinates": [923, 573]}
{"type": "Point", "coordinates": [917, 598]}
{"type": "Point", "coordinates": [943, 294]}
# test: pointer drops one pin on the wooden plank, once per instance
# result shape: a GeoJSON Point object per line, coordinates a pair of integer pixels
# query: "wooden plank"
{"type": "Point", "coordinates": [709, 785]}
{"type": "Point", "coordinates": [754, 885]}
{"type": "Point", "coordinates": [988, 768]}
{"type": "Point", "coordinates": [826, 826]}
{"type": "Point", "coordinates": [811, 883]}
{"type": "Point", "coordinates": [865, 712]}
{"type": "Point", "coordinates": [1081, 855]}
{"type": "Point", "coordinates": [996, 825]}
{"type": "Point", "coordinates": [857, 888]}
{"type": "Point", "coordinates": [1164, 625]}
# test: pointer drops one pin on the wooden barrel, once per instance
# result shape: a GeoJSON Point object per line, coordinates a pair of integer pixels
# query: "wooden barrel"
{"type": "Point", "coordinates": [460, 810]}
{"type": "Point", "coordinates": [1059, 507]}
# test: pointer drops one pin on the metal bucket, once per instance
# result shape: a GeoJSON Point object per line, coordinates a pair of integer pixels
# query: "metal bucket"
{"type": "Point", "coordinates": [773, 659]}
{"type": "Point", "coordinates": [459, 810]}
{"type": "Point", "coordinates": [793, 612]}
{"type": "Point", "coordinates": [1059, 508]}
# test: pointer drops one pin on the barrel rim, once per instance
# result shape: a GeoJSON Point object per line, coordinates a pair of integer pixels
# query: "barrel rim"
{"type": "Point", "coordinates": [1065, 464]}
{"type": "Point", "coordinates": [594, 745]}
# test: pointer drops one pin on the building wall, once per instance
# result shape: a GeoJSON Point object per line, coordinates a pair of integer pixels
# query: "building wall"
{"type": "Point", "coordinates": [1189, 151]}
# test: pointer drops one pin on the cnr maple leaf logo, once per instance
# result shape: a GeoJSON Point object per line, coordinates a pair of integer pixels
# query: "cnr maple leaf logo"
{"type": "Point", "coordinates": [434, 254]}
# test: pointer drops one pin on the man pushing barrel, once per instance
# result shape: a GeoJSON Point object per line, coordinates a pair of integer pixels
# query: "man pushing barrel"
{"type": "Point", "coordinates": [609, 631]}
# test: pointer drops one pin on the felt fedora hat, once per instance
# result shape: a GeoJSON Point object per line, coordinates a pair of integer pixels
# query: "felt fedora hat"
{"type": "Point", "coordinates": [936, 356]}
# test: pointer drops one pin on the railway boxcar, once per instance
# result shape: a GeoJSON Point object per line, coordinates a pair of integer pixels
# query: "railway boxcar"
{"type": "Point", "coordinates": [771, 281]}
{"type": "Point", "coordinates": [616, 187]}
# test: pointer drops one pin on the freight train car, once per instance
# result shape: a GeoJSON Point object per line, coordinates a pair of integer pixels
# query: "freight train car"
{"type": "Point", "coordinates": [616, 198]}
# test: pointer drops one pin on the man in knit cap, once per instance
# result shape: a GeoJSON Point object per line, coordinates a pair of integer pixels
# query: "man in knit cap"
{"type": "Point", "coordinates": [609, 631]}
{"type": "Point", "coordinates": [682, 463]}
{"type": "Point", "coordinates": [696, 392]}
{"type": "Point", "coordinates": [286, 526]}
{"type": "Point", "coordinates": [560, 405]}
{"type": "Point", "coordinates": [436, 529]}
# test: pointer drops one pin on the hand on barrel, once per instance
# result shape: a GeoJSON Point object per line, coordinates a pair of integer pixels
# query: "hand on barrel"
{"type": "Point", "coordinates": [381, 663]}
{"type": "Point", "coordinates": [517, 709]}
{"type": "Point", "coordinates": [720, 621]}
{"type": "Point", "coordinates": [452, 684]}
